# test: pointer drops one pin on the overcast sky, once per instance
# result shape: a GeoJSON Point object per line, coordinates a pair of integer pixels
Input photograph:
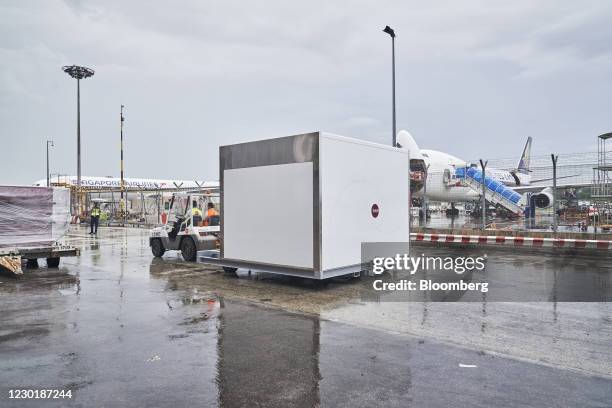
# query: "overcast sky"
{"type": "Point", "coordinates": [474, 78]}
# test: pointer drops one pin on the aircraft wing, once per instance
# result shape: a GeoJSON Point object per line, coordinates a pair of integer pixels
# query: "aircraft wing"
{"type": "Point", "coordinates": [551, 179]}
{"type": "Point", "coordinates": [540, 186]}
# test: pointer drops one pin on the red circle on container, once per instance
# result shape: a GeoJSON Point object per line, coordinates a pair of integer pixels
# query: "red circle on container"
{"type": "Point", "coordinates": [375, 210]}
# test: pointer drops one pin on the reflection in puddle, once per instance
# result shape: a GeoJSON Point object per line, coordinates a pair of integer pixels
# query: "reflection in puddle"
{"type": "Point", "coordinates": [40, 279]}
{"type": "Point", "coordinates": [267, 358]}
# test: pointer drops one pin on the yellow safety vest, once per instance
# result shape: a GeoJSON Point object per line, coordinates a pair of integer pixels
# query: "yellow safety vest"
{"type": "Point", "coordinates": [95, 212]}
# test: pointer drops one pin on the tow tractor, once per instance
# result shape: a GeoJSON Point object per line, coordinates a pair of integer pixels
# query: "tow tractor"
{"type": "Point", "coordinates": [185, 229]}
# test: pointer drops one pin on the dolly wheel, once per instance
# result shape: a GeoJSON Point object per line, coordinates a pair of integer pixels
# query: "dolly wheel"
{"type": "Point", "coordinates": [229, 270]}
{"type": "Point", "coordinates": [32, 263]}
{"type": "Point", "coordinates": [157, 248]}
{"type": "Point", "coordinates": [188, 249]}
{"type": "Point", "coordinates": [53, 262]}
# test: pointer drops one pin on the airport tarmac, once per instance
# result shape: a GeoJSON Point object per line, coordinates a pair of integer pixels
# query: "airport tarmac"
{"type": "Point", "coordinates": [120, 328]}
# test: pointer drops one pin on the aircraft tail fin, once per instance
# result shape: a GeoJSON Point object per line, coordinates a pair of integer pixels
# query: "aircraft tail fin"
{"type": "Point", "coordinates": [406, 141]}
{"type": "Point", "coordinates": [523, 164]}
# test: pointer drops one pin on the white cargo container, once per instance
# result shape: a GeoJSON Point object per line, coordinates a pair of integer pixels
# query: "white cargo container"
{"type": "Point", "coordinates": [302, 205]}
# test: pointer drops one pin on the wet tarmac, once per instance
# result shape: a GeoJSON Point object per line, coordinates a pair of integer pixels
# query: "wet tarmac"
{"type": "Point", "coordinates": [120, 328]}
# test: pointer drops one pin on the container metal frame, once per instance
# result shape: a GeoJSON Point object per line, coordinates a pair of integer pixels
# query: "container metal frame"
{"type": "Point", "coordinates": [299, 148]}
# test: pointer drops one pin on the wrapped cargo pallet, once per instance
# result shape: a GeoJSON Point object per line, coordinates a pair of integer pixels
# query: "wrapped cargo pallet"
{"type": "Point", "coordinates": [33, 216]}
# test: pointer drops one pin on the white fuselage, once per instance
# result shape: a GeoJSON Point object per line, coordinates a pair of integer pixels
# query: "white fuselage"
{"type": "Point", "coordinates": [442, 184]}
{"type": "Point", "coordinates": [114, 183]}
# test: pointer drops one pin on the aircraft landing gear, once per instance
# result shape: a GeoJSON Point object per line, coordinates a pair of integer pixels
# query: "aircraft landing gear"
{"type": "Point", "coordinates": [452, 212]}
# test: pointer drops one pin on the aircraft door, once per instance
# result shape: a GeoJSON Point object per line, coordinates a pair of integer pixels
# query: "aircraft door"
{"type": "Point", "coordinates": [446, 177]}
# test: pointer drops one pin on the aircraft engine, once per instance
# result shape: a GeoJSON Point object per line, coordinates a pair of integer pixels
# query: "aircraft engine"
{"type": "Point", "coordinates": [543, 199]}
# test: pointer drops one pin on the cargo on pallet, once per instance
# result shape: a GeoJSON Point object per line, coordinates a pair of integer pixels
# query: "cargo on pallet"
{"type": "Point", "coordinates": [32, 221]}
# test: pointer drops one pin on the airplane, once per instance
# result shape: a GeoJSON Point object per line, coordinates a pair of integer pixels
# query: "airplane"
{"type": "Point", "coordinates": [106, 190]}
{"type": "Point", "coordinates": [114, 183]}
{"type": "Point", "coordinates": [445, 177]}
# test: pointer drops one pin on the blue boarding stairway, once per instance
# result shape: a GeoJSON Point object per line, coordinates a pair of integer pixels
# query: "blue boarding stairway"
{"type": "Point", "coordinates": [495, 192]}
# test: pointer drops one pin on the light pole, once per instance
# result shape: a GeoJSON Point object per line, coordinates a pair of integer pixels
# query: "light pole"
{"type": "Point", "coordinates": [49, 143]}
{"type": "Point", "coordinates": [425, 200]}
{"type": "Point", "coordinates": [483, 166]}
{"type": "Point", "coordinates": [555, 204]}
{"type": "Point", "coordinates": [122, 118]}
{"type": "Point", "coordinates": [78, 73]}
{"type": "Point", "coordinates": [390, 31]}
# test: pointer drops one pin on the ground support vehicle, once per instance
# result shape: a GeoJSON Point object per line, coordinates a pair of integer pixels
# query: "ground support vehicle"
{"type": "Point", "coordinates": [184, 231]}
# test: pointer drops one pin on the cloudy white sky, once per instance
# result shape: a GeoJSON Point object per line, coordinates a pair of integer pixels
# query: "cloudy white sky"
{"type": "Point", "coordinates": [474, 78]}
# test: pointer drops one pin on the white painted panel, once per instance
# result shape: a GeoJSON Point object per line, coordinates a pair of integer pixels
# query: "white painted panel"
{"type": "Point", "coordinates": [355, 175]}
{"type": "Point", "coordinates": [267, 214]}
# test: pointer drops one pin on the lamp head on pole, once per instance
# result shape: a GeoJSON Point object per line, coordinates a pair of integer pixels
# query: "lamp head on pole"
{"type": "Point", "coordinates": [389, 31]}
{"type": "Point", "coordinates": [78, 72]}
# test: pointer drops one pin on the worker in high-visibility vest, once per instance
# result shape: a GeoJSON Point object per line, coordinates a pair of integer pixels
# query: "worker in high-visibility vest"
{"type": "Point", "coordinates": [212, 216]}
{"type": "Point", "coordinates": [196, 214]}
{"type": "Point", "coordinates": [95, 219]}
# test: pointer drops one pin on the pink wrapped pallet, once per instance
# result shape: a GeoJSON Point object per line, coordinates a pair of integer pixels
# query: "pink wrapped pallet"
{"type": "Point", "coordinates": [33, 216]}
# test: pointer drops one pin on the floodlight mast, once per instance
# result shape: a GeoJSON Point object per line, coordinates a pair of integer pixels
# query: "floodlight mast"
{"type": "Point", "coordinates": [78, 72]}
{"type": "Point", "coordinates": [391, 33]}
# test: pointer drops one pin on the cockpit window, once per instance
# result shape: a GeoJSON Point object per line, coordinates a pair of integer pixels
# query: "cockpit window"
{"type": "Point", "coordinates": [425, 154]}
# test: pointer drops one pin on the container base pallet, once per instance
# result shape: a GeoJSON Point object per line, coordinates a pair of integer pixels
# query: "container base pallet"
{"type": "Point", "coordinates": [211, 257]}
{"type": "Point", "coordinates": [10, 258]}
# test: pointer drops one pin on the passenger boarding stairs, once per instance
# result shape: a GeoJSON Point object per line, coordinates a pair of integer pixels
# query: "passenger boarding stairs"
{"type": "Point", "coordinates": [495, 192]}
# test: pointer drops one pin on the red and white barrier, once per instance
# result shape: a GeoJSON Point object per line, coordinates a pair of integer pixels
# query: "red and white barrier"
{"type": "Point", "coordinates": [513, 241]}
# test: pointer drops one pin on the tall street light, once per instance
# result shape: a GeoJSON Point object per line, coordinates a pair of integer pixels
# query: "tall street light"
{"type": "Point", "coordinates": [78, 73]}
{"type": "Point", "coordinates": [49, 143]}
{"type": "Point", "coordinates": [390, 31]}
{"type": "Point", "coordinates": [555, 203]}
{"type": "Point", "coordinates": [122, 178]}
{"type": "Point", "coordinates": [483, 166]}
